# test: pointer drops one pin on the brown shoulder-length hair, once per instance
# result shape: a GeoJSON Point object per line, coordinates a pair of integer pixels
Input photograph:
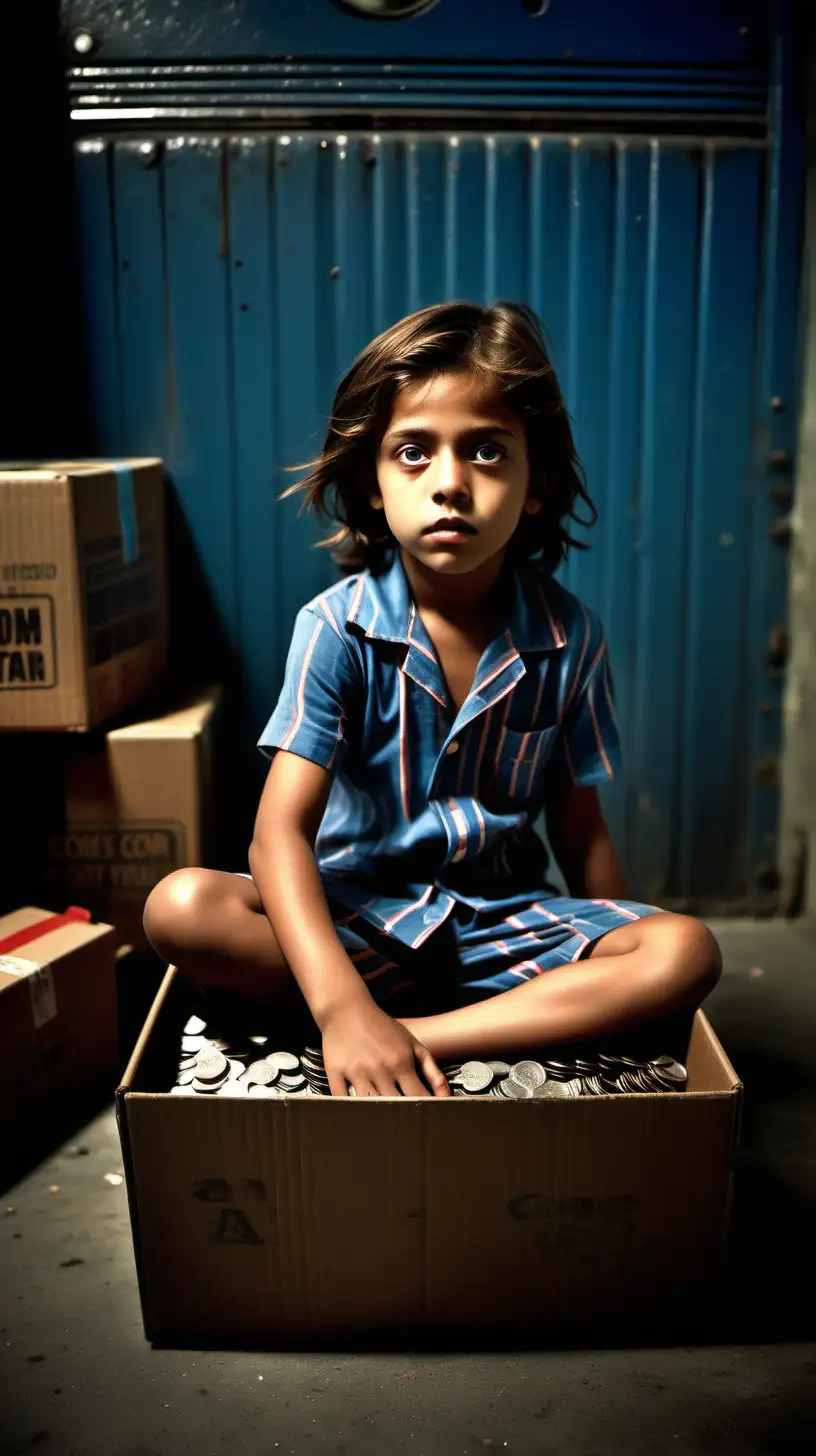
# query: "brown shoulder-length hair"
{"type": "Point", "coordinates": [503, 344]}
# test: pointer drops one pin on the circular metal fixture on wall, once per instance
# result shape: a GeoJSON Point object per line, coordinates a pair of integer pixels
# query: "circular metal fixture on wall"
{"type": "Point", "coordinates": [385, 9]}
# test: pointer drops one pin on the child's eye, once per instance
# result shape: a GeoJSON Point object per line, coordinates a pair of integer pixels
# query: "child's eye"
{"type": "Point", "coordinates": [402, 454]}
{"type": "Point", "coordinates": [498, 453]}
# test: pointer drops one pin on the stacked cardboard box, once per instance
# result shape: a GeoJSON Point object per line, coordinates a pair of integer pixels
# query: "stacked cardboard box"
{"type": "Point", "coordinates": [108, 795]}
{"type": "Point", "coordinates": [122, 808]}
{"type": "Point", "coordinates": [105, 779]}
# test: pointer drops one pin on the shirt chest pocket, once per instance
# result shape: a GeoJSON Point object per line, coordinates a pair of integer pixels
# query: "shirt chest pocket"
{"type": "Point", "coordinates": [520, 770]}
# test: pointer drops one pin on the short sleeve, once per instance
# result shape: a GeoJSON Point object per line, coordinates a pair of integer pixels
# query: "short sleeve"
{"type": "Point", "coordinates": [320, 685]}
{"type": "Point", "coordinates": [587, 750]}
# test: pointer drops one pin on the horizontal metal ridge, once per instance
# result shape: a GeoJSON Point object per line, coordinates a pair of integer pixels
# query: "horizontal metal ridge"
{"type": "Point", "coordinates": [442, 85]}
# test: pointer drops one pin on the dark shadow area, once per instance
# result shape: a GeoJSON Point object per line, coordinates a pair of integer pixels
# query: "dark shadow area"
{"type": "Point", "coordinates": [200, 653]}
{"type": "Point", "coordinates": [44, 392]}
{"type": "Point", "coordinates": [773, 1215]}
{"type": "Point", "coordinates": [66, 1119]}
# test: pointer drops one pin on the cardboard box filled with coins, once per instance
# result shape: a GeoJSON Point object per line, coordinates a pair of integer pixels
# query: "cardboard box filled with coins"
{"type": "Point", "coordinates": [547, 1187]}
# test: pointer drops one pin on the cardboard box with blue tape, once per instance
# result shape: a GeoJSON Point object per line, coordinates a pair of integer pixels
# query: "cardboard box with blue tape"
{"type": "Point", "coordinates": [83, 590]}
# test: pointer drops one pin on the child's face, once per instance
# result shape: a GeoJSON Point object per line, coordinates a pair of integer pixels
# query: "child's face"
{"type": "Point", "coordinates": [453, 448]}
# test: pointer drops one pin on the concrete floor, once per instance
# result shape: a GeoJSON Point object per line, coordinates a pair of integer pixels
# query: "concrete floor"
{"type": "Point", "coordinates": [78, 1379]}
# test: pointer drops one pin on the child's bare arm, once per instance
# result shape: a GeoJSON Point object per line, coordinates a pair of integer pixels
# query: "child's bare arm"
{"type": "Point", "coordinates": [362, 1044]}
{"type": "Point", "coordinates": [281, 858]}
{"type": "Point", "coordinates": [582, 845]}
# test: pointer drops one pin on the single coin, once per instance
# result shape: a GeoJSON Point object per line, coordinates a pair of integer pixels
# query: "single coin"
{"type": "Point", "coordinates": [663, 1061]}
{"type": "Point", "coordinates": [195, 1026]}
{"type": "Point", "coordinates": [529, 1074]}
{"type": "Point", "coordinates": [551, 1089]}
{"type": "Point", "coordinates": [499, 1069]}
{"type": "Point", "coordinates": [182, 1091]}
{"type": "Point", "coordinates": [186, 1063]}
{"type": "Point", "coordinates": [205, 1053]}
{"type": "Point", "coordinates": [260, 1089]}
{"type": "Point", "coordinates": [674, 1072]}
{"type": "Point", "coordinates": [233, 1088]}
{"type": "Point", "coordinates": [260, 1073]}
{"type": "Point", "coordinates": [475, 1076]}
{"type": "Point", "coordinates": [186, 1077]}
{"type": "Point", "coordinates": [207, 1087]}
{"type": "Point", "coordinates": [236, 1068]}
{"type": "Point", "coordinates": [516, 1090]}
{"type": "Point", "coordinates": [211, 1066]}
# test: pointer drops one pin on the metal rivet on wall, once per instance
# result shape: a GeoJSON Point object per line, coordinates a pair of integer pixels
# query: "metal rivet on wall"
{"type": "Point", "coordinates": [149, 153]}
{"type": "Point", "coordinates": [84, 43]}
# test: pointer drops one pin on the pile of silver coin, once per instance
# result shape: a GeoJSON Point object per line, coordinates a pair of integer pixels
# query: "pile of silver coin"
{"type": "Point", "coordinates": [210, 1066]}
{"type": "Point", "coordinates": [603, 1075]}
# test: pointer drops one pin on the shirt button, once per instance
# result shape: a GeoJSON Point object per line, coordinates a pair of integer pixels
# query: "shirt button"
{"type": "Point", "coordinates": [452, 747]}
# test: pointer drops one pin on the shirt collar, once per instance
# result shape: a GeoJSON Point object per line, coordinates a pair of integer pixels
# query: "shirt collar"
{"type": "Point", "coordinates": [383, 606]}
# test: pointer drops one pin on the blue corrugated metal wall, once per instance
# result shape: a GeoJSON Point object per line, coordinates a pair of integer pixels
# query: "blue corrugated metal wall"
{"type": "Point", "coordinates": [230, 281]}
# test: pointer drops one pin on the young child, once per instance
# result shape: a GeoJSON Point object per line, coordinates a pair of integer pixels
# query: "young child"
{"type": "Point", "coordinates": [435, 700]}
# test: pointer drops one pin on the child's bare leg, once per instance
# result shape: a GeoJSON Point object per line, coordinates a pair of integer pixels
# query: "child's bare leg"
{"type": "Point", "coordinates": [633, 974]}
{"type": "Point", "coordinates": [213, 927]}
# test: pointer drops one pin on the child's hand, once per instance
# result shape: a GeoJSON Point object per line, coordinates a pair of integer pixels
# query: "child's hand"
{"type": "Point", "coordinates": [367, 1048]}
